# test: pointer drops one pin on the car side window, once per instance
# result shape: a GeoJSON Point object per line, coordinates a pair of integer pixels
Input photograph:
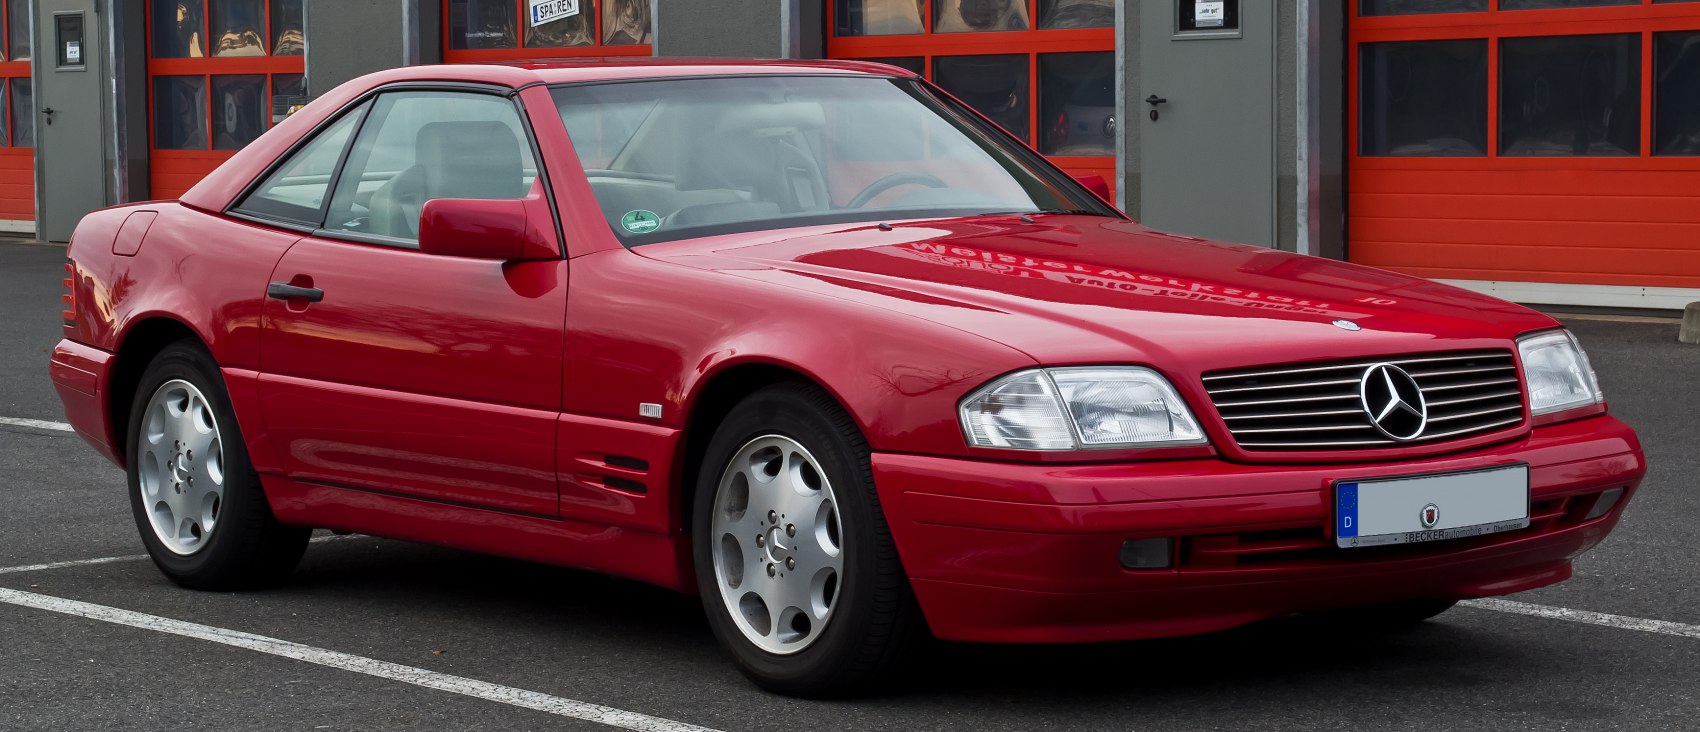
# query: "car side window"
{"type": "Point", "coordinates": [295, 192]}
{"type": "Point", "coordinates": [424, 145]}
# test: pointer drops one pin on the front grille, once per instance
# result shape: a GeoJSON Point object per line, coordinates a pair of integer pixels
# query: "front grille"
{"type": "Point", "coordinates": [1318, 407]}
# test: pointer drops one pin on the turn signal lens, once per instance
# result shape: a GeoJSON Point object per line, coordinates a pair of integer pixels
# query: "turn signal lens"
{"type": "Point", "coordinates": [1018, 412]}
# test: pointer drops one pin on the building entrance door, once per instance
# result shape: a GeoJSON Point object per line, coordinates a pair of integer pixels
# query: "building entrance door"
{"type": "Point", "coordinates": [68, 107]}
{"type": "Point", "coordinates": [1207, 157]}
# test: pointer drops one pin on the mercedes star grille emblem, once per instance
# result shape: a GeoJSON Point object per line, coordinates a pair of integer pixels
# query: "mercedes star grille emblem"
{"type": "Point", "coordinates": [1393, 402]}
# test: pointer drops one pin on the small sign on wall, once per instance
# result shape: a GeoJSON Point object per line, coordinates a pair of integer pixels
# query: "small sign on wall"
{"type": "Point", "coordinates": [1209, 13]}
{"type": "Point", "coordinates": [546, 11]}
{"type": "Point", "coordinates": [1208, 18]}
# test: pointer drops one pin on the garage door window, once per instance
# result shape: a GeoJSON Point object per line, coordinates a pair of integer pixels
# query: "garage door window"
{"type": "Point", "coordinates": [1570, 95]}
{"type": "Point", "coordinates": [1676, 100]}
{"type": "Point", "coordinates": [498, 30]}
{"type": "Point", "coordinates": [1424, 98]}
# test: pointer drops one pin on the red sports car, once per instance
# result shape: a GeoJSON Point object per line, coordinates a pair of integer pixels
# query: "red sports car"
{"type": "Point", "coordinates": [820, 343]}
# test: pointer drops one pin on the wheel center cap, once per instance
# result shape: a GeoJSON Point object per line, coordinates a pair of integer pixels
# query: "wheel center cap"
{"type": "Point", "coordinates": [777, 551]}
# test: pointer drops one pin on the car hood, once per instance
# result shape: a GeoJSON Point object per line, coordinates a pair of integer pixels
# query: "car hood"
{"type": "Point", "coordinates": [1081, 289]}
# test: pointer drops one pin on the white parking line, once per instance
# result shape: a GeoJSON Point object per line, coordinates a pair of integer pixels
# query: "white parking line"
{"type": "Point", "coordinates": [358, 664]}
{"type": "Point", "coordinates": [135, 557]}
{"type": "Point", "coordinates": [1622, 622]}
{"type": "Point", "coordinates": [35, 423]}
{"type": "Point", "coordinates": [73, 563]}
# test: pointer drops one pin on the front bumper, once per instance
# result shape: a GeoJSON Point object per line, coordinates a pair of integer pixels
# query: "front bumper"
{"type": "Point", "coordinates": [1020, 553]}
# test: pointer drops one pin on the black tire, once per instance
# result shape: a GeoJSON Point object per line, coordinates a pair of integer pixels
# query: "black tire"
{"type": "Point", "coordinates": [247, 547]}
{"type": "Point", "coordinates": [876, 623]}
{"type": "Point", "coordinates": [1385, 617]}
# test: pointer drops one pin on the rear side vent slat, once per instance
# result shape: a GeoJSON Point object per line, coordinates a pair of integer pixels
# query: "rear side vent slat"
{"type": "Point", "coordinates": [1319, 407]}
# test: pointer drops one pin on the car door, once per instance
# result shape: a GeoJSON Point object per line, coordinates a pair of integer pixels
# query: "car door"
{"type": "Point", "coordinates": [388, 369]}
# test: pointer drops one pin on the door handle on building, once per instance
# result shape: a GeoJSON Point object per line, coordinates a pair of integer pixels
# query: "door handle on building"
{"type": "Point", "coordinates": [1154, 101]}
{"type": "Point", "coordinates": [49, 112]}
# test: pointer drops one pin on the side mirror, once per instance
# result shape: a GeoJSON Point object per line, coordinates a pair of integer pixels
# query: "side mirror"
{"type": "Point", "coordinates": [500, 229]}
{"type": "Point", "coordinates": [1097, 185]}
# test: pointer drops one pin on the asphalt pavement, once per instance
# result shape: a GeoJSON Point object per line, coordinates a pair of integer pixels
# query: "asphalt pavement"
{"type": "Point", "coordinates": [486, 643]}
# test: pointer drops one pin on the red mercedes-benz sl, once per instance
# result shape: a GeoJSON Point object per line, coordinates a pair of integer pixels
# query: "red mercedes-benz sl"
{"type": "Point", "coordinates": [821, 344]}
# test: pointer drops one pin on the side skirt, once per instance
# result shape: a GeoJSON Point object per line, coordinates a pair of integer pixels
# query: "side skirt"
{"type": "Point", "coordinates": [657, 559]}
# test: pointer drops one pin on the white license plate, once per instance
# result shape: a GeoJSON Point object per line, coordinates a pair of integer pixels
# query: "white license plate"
{"type": "Point", "coordinates": [1430, 507]}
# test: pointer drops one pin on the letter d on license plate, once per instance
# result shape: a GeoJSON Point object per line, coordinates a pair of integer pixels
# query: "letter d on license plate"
{"type": "Point", "coordinates": [1431, 507]}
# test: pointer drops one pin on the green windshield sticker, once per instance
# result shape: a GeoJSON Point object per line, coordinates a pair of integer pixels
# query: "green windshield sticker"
{"type": "Point", "coordinates": [641, 221]}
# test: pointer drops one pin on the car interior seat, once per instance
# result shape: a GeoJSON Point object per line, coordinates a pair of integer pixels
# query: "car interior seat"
{"type": "Point", "coordinates": [452, 160]}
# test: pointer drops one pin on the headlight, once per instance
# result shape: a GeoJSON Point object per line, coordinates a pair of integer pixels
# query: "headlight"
{"type": "Point", "coordinates": [1079, 408]}
{"type": "Point", "coordinates": [1558, 373]}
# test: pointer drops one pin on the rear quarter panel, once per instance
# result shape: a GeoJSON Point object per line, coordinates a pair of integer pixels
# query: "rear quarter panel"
{"type": "Point", "coordinates": [204, 271]}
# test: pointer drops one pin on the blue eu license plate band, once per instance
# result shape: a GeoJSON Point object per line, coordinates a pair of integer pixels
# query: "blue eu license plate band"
{"type": "Point", "coordinates": [1346, 510]}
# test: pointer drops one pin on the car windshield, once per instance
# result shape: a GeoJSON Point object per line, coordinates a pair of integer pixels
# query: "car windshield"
{"type": "Point", "coordinates": [681, 158]}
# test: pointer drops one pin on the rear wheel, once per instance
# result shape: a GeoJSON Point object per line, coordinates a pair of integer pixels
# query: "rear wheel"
{"type": "Point", "coordinates": [196, 499]}
{"type": "Point", "coordinates": [794, 561]}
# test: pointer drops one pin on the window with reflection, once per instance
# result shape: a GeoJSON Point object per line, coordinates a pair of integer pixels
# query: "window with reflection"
{"type": "Point", "coordinates": [1549, 4]}
{"type": "Point", "coordinates": [288, 38]}
{"type": "Point", "coordinates": [1418, 7]}
{"type": "Point", "coordinates": [573, 30]}
{"type": "Point", "coordinates": [179, 29]}
{"type": "Point", "coordinates": [1423, 98]}
{"type": "Point", "coordinates": [879, 17]}
{"type": "Point", "coordinates": [18, 28]}
{"type": "Point", "coordinates": [979, 16]}
{"type": "Point", "coordinates": [997, 86]}
{"type": "Point", "coordinates": [289, 92]}
{"type": "Point", "coordinates": [296, 191]}
{"type": "Point", "coordinates": [238, 27]}
{"type": "Point", "coordinates": [419, 146]}
{"type": "Point", "coordinates": [1570, 95]}
{"type": "Point", "coordinates": [180, 112]}
{"type": "Point", "coordinates": [1676, 95]}
{"type": "Point", "coordinates": [1056, 14]}
{"type": "Point", "coordinates": [626, 23]}
{"type": "Point", "coordinates": [239, 110]}
{"type": "Point", "coordinates": [483, 24]}
{"type": "Point", "coordinates": [1077, 103]}
{"type": "Point", "coordinates": [23, 113]}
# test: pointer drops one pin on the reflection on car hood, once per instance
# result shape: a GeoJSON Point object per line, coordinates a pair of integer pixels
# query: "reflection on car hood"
{"type": "Point", "coordinates": [1079, 289]}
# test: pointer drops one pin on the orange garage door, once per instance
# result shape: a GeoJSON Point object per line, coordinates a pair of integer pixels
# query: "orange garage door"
{"type": "Point", "coordinates": [1528, 141]}
{"type": "Point", "coordinates": [17, 116]}
{"type": "Point", "coordinates": [220, 73]}
{"type": "Point", "coordinates": [1043, 69]}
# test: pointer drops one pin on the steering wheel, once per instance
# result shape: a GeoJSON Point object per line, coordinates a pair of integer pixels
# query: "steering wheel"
{"type": "Point", "coordinates": [892, 181]}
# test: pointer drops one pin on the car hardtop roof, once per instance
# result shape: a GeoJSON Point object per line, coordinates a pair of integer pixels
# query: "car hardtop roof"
{"type": "Point", "coordinates": [612, 68]}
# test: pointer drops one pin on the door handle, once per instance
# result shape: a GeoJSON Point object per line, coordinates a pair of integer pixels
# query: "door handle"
{"type": "Point", "coordinates": [48, 113]}
{"type": "Point", "coordinates": [286, 291]}
{"type": "Point", "coordinates": [1155, 100]}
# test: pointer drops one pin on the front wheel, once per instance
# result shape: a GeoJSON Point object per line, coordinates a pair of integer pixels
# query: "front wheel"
{"type": "Point", "coordinates": [794, 560]}
{"type": "Point", "coordinates": [196, 499]}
